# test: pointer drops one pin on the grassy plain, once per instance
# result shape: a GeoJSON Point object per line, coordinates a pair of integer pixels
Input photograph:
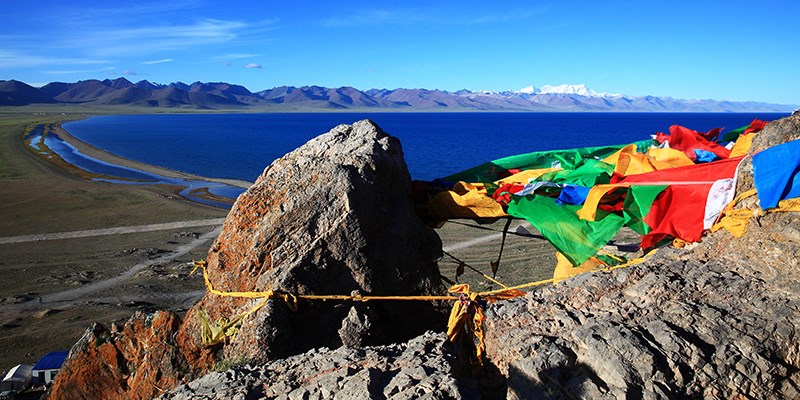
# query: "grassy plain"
{"type": "Point", "coordinates": [36, 197]}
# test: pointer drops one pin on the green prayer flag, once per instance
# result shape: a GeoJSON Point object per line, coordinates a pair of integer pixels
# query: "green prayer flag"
{"type": "Point", "coordinates": [567, 159]}
{"type": "Point", "coordinates": [589, 173]}
{"type": "Point", "coordinates": [559, 224]}
{"type": "Point", "coordinates": [733, 135]}
{"type": "Point", "coordinates": [637, 204]}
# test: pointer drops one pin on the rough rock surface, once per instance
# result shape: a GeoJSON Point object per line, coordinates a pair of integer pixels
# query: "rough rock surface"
{"type": "Point", "coordinates": [719, 319]}
{"type": "Point", "coordinates": [334, 216]}
{"type": "Point", "coordinates": [133, 361]}
{"type": "Point", "coordinates": [426, 367]}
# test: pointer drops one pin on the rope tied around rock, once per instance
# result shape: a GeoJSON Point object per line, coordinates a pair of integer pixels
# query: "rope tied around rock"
{"type": "Point", "coordinates": [465, 324]}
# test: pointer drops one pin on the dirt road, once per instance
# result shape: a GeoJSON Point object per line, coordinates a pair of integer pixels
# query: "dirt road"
{"type": "Point", "coordinates": [112, 231]}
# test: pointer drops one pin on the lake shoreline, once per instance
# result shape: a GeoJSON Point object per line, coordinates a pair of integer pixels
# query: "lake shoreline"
{"type": "Point", "coordinates": [111, 158]}
{"type": "Point", "coordinates": [191, 187]}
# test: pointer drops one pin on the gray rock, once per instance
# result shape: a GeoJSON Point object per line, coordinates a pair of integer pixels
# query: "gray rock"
{"type": "Point", "coordinates": [334, 216]}
{"type": "Point", "coordinates": [426, 367]}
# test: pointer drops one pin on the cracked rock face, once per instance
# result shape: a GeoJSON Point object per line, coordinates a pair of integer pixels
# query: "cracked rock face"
{"type": "Point", "coordinates": [423, 368]}
{"type": "Point", "coordinates": [335, 216]}
{"type": "Point", "coordinates": [131, 361]}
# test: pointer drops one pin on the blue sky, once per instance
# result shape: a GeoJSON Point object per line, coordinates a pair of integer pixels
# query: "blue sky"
{"type": "Point", "coordinates": [724, 50]}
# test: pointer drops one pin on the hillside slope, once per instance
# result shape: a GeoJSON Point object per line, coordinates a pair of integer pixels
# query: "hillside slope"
{"type": "Point", "coordinates": [226, 96]}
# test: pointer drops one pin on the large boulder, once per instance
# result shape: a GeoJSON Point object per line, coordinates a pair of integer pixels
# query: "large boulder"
{"type": "Point", "coordinates": [336, 217]}
{"type": "Point", "coordinates": [333, 217]}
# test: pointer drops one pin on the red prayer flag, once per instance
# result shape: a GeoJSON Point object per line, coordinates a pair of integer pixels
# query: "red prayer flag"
{"type": "Point", "coordinates": [687, 140]}
{"type": "Point", "coordinates": [756, 126]}
{"type": "Point", "coordinates": [680, 210]}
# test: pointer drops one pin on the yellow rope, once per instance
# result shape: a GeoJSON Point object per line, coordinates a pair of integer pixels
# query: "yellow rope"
{"type": "Point", "coordinates": [466, 316]}
{"type": "Point", "coordinates": [605, 253]}
{"type": "Point", "coordinates": [292, 298]}
{"type": "Point", "coordinates": [518, 287]}
{"type": "Point", "coordinates": [289, 297]}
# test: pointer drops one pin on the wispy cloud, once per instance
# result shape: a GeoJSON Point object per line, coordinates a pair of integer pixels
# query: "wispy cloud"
{"type": "Point", "coordinates": [101, 42]}
{"type": "Point", "coordinates": [235, 56]}
{"type": "Point", "coordinates": [253, 66]}
{"type": "Point", "coordinates": [19, 59]}
{"type": "Point", "coordinates": [145, 40]}
{"type": "Point", "coordinates": [427, 16]}
{"type": "Point", "coordinates": [162, 61]}
{"type": "Point", "coordinates": [132, 73]}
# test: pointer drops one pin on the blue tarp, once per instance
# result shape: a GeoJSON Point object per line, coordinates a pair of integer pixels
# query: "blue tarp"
{"type": "Point", "coordinates": [704, 156]}
{"type": "Point", "coordinates": [775, 171]}
{"type": "Point", "coordinates": [52, 360]}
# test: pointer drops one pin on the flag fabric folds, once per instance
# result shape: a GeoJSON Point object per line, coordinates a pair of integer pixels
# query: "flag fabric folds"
{"type": "Point", "coordinates": [576, 239]}
{"type": "Point", "coordinates": [688, 140]}
{"type": "Point", "coordinates": [579, 198]}
{"type": "Point", "coordinates": [776, 173]}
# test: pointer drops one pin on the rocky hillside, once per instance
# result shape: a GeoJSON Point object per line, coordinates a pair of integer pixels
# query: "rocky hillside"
{"type": "Point", "coordinates": [718, 319]}
{"type": "Point", "coordinates": [225, 96]}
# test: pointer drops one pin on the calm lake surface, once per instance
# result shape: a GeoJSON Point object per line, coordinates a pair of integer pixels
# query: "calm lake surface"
{"type": "Point", "coordinates": [240, 146]}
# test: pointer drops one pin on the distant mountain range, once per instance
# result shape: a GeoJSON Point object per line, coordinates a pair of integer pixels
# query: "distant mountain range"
{"type": "Point", "coordinates": [223, 96]}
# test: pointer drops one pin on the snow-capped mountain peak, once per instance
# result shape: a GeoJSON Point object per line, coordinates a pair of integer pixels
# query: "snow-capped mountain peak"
{"type": "Point", "coordinates": [580, 90]}
{"type": "Point", "coordinates": [566, 89]}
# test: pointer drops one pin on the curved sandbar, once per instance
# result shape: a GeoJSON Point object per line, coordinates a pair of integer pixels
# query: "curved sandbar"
{"type": "Point", "coordinates": [190, 186]}
{"type": "Point", "coordinates": [112, 158]}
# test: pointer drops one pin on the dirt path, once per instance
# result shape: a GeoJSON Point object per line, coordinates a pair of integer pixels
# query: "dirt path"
{"type": "Point", "coordinates": [80, 293]}
{"type": "Point", "coordinates": [112, 231]}
{"type": "Point", "coordinates": [67, 296]}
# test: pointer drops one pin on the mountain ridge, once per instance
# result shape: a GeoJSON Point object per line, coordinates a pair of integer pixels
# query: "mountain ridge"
{"type": "Point", "coordinates": [222, 95]}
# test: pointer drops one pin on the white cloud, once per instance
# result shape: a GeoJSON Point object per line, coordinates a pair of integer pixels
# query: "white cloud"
{"type": "Point", "coordinates": [16, 59]}
{"type": "Point", "coordinates": [253, 66]}
{"type": "Point", "coordinates": [165, 60]}
{"type": "Point", "coordinates": [236, 56]}
{"type": "Point", "coordinates": [153, 39]}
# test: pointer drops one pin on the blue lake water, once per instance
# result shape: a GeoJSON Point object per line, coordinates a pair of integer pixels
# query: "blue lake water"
{"type": "Point", "coordinates": [128, 176]}
{"type": "Point", "coordinates": [240, 146]}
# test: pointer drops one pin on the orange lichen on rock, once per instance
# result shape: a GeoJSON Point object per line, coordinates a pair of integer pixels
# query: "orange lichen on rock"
{"type": "Point", "coordinates": [133, 362]}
